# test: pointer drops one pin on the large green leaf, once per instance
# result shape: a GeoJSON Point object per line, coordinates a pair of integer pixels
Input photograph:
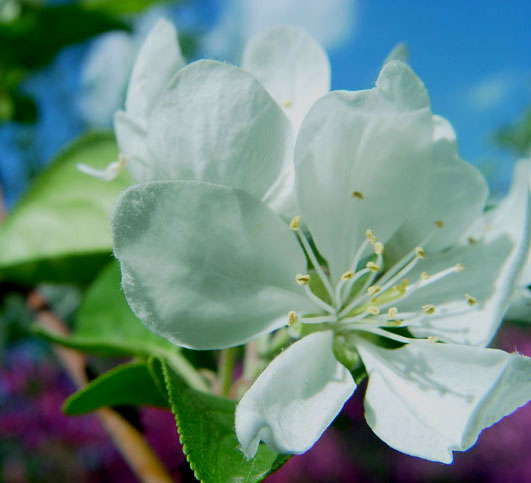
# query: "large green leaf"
{"type": "Point", "coordinates": [206, 429]}
{"type": "Point", "coordinates": [128, 384]}
{"type": "Point", "coordinates": [105, 325]}
{"type": "Point", "coordinates": [60, 230]}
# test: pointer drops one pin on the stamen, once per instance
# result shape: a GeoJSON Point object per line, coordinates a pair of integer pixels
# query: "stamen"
{"type": "Point", "coordinates": [359, 254]}
{"type": "Point", "coordinates": [292, 318]}
{"type": "Point", "coordinates": [295, 223]}
{"type": "Point", "coordinates": [428, 309]}
{"type": "Point", "coordinates": [288, 103]}
{"type": "Point", "coordinates": [347, 275]}
{"type": "Point", "coordinates": [318, 301]}
{"type": "Point", "coordinates": [109, 173]}
{"type": "Point", "coordinates": [419, 251]}
{"type": "Point", "coordinates": [370, 236]}
{"type": "Point", "coordinates": [439, 224]}
{"type": "Point", "coordinates": [378, 248]}
{"type": "Point", "coordinates": [358, 195]}
{"type": "Point", "coordinates": [425, 276]}
{"type": "Point", "coordinates": [302, 279]}
{"type": "Point", "coordinates": [372, 267]}
{"type": "Point", "coordinates": [433, 339]}
{"type": "Point", "coordinates": [373, 290]}
{"type": "Point", "coordinates": [384, 333]}
{"type": "Point", "coordinates": [471, 300]}
{"type": "Point", "coordinates": [459, 267]}
{"type": "Point", "coordinates": [373, 310]}
{"type": "Point", "coordinates": [472, 240]}
{"type": "Point", "coordinates": [325, 319]}
{"type": "Point", "coordinates": [391, 313]}
{"type": "Point", "coordinates": [394, 323]}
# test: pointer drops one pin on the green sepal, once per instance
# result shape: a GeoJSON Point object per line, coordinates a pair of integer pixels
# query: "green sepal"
{"type": "Point", "coordinates": [206, 429]}
{"type": "Point", "coordinates": [129, 384]}
{"type": "Point", "coordinates": [345, 352]}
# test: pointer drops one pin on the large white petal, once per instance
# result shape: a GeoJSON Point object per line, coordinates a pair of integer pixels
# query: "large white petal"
{"type": "Point", "coordinates": [158, 59]}
{"type": "Point", "coordinates": [215, 122]}
{"type": "Point", "coordinates": [454, 193]}
{"type": "Point", "coordinates": [291, 65]}
{"type": "Point", "coordinates": [206, 266]}
{"type": "Point", "coordinates": [428, 400]}
{"type": "Point", "coordinates": [295, 399]}
{"type": "Point", "coordinates": [373, 142]}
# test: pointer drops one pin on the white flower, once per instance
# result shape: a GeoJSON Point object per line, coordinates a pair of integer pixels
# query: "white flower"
{"type": "Point", "coordinates": [388, 204]}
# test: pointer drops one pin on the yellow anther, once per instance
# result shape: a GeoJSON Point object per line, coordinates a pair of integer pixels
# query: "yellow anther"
{"type": "Point", "coordinates": [347, 275]}
{"type": "Point", "coordinates": [439, 224]}
{"type": "Point", "coordinates": [370, 236]}
{"type": "Point", "coordinates": [459, 267]}
{"type": "Point", "coordinates": [472, 240]}
{"type": "Point", "coordinates": [394, 323]}
{"type": "Point", "coordinates": [425, 276]}
{"type": "Point", "coordinates": [295, 223]}
{"type": "Point", "coordinates": [373, 267]}
{"type": "Point", "coordinates": [288, 103]}
{"type": "Point", "coordinates": [302, 279]}
{"type": "Point", "coordinates": [471, 300]}
{"type": "Point", "coordinates": [373, 310]}
{"type": "Point", "coordinates": [373, 290]}
{"type": "Point", "coordinates": [391, 313]}
{"type": "Point", "coordinates": [428, 309]}
{"type": "Point", "coordinates": [358, 195]}
{"type": "Point", "coordinates": [292, 318]}
{"type": "Point", "coordinates": [378, 248]}
{"type": "Point", "coordinates": [433, 339]}
{"type": "Point", "coordinates": [419, 251]}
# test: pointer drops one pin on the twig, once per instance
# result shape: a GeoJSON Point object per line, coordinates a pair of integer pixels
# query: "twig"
{"type": "Point", "coordinates": [129, 441]}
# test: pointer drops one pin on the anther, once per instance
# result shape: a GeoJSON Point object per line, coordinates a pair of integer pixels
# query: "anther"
{"type": "Point", "coordinates": [288, 103]}
{"type": "Point", "coordinates": [292, 318]}
{"type": "Point", "coordinates": [358, 195]}
{"type": "Point", "coordinates": [373, 267]}
{"type": "Point", "coordinates": [373, 290]}
{"type": "Point", "coordinates": [373, 310]}
{"type": "Point", "coordinates": [428, 309]}
{"type": "Point", "coordinates": [378, 248]}
{"type": "Point", "coordinates": [295, 223]}
{"type": "Point", "coordinates": [370, 236]}
{"type": "Point", "coordinates": [472, 240]}
{"type": "Point", "coordinates": [471, 300]}
{"type": "Point", "coordinates": [302, 279]}
{"type": "Point", "coordinates": [419, 251]}
{"type": "Point", "coordinates": [394, 323]}
{"type": "Point", "coordinates": [459, 267]}
{"type": "Point", "coordinates": [347, 275]}
{"type": "Point", "coordinates": [439, 224]}
{"type": "Point", "coordinates": [433, 339]}
{"type": "Point", "coordinates": [391, 313]}
{"type": "Point", "coordinates": [425, 276]}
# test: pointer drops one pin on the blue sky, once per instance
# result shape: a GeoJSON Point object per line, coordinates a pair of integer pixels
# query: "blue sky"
{"type": "Point", "coordinates": [474, 57]}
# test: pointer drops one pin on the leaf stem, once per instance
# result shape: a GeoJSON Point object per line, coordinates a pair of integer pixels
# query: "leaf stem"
{"type": "Point", "coordinates": [226, 369]}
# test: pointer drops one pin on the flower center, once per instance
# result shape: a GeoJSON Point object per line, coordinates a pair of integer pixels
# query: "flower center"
{"type": "Point", "coordinates": [364, 298]}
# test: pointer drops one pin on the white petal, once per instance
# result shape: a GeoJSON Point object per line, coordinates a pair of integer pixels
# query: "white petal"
{"type": "Point", "coordinates": [131, 137]}
{"type": "Point", "coordinates": [292, 66]}
{"type": "Point", "coordinates": [428, 400]}
{"type": "Point", "coordinates": [215, 122]}
{"type": "Point", "coordinates": [453, 193]}
{"type": "Point", "coordinates": [206, 266]}
{"type": "Point", "coordinates": [374, 142]}
{"type": "Point", "coordinates": [158, 59]}
{"type": "Point", "coordinates": [295, 399]}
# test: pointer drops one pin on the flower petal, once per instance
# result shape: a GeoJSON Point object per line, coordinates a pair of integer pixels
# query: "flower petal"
{"type": "Point", "coordinates": [206, 266]}
{"type": "Point", "coordinates": [158, 59]}
{"type": "Point", "coordinates": [295, 399]}
{"type": "Point", "coordinates": [292, 66]}
{"type": "Point", "coordinates": [372, 144]}
{"type": "Point", "coordinates": [428, 400]}
{"type": "Point", "coordinates": [215, 122]}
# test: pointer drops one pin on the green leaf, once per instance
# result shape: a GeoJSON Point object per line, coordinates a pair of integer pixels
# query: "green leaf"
{"type": "Point", "coordinates": [105, 325]}
{"type": "Point", "coordinates": [60, 230]}
{"type": "Point", "coordinates": [128, 384]}
{"type": "Point", "coordinates": [206, 429]}
{"type": "Point", "coordinates": [123, 6]}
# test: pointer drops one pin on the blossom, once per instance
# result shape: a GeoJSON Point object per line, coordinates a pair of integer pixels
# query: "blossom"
{"type": "Point", "coordinates": [381, 252]}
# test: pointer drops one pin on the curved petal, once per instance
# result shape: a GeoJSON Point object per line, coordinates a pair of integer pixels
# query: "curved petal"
{"type": "Point", "coordinates": [454, 193]}
{"type": "Point", "coordinates": [372, 144]}
{"type": "Point", "coordinates": [215, 122]}
{"type": "Point", "coordinates": [158, 59]}
{"type": "Point", "coordinates": [205, 266]}
{"type": "Point", "coordinates": [295, 399]}
{"type": "Point", "coordinates": [428, 400]}
{"type": "Point", "coordinates": [292, 66]}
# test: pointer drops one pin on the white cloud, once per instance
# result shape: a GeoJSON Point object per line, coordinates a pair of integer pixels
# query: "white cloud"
{"type": "Point", "coordinates": [330, 22]}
